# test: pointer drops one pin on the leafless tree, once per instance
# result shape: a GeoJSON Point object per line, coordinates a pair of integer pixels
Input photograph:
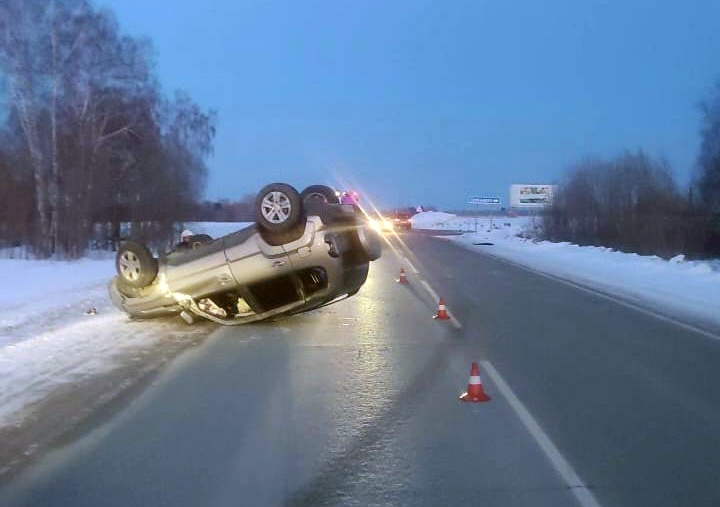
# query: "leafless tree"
{"type": "Point", "coordinates": [630, 203]}
{"type": "Point", "coordinates": [101, 142]}
{"type": "Point", "coordinates": [708, 176]}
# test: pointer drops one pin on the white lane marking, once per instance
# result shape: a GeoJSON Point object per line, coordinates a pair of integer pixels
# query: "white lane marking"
{"type": "Point", "coordinates": [456, 323]}
{"type": "Point", "coordinates": [561, 465]}
{"type": "Point", "coordinates": [412, 267]}
{"type": "Point", "coordinates": [433, 294]}
{"type": "Point", "coordinates": [614, 299]}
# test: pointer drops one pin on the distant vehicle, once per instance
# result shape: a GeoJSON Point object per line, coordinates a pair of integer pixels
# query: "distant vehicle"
{"type": "Point", "coordinates": [391, 221]}
{"type": "Point", "coordinates": [305, 251]}
{"type": "Point", "coordinates": [380, 224]}
{"type": "Point", "coordinates": [402, 221]}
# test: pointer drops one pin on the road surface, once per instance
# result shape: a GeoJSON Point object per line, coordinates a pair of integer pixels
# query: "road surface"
{"type": "Point", "coordinates": [593, 403]}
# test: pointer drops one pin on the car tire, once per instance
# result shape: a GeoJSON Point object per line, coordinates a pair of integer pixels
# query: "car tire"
{"type": "Point", "coordinates": [280, 214]}
{"type": "Point", "coordinates": [364, 245]}
{"type": "Point", "coordinates": [370, 243]}
{"type": "Point", "coordinates": [320, 193]}
{"type": "Point", "coordinates": [285, 237]}
{"type": "Point", "coordinates": [135, 264]}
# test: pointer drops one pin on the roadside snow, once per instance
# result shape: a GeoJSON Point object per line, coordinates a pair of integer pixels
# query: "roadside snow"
{"type": "Point", "coordinates": [58, 326]}
{"type": "Point", "coordinates": [688, 289]}
{"type": "Point", "coordinates": [435, 220]}
{"type": "Point", "coordinates": [43, 295]}
{"type": "Point", "coordinates": [33, 368]}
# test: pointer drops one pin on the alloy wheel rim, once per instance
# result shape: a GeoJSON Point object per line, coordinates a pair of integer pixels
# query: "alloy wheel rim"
{"type": "Point", "coordinates": [130, 266]}
{"type": "Point", "coordinates": [276, 207]}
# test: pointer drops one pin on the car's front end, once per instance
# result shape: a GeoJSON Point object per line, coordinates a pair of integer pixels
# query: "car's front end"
{"type": "Point", "coordinates": [335, 262]}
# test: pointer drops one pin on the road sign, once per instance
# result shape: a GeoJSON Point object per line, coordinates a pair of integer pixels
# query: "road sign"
{"type": "Point", "coordinates": [484, 200]}
{"type": "Point", "coordinates": [531, 196]}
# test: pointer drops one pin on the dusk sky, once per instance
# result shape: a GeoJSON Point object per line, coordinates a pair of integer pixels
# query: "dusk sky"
{"type": "Point", "coordinates": [431, 102]}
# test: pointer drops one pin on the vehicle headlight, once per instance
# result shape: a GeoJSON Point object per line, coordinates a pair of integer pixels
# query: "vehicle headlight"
{"type": "Point", "coordinates": [376, 225]}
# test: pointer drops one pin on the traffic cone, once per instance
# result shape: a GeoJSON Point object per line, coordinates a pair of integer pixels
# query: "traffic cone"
{"type": "Point", "coordinates": [403, 278]}
{"type": "Point", "coordinates": [442, 311]}
{"type": "Point", "coordinates": [475, 391]}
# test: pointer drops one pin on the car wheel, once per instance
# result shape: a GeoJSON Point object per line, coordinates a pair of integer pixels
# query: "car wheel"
{"type": "Point", "coordinates": [280, 214]}
{"type": "Point", "coordinates": [135, 264]}
{"type": "Point", "coordinates": [278, 207]}
{"type": "Point", "coordinates": [320, 193]}
{"type": "Point", "coordinates": [370, 243]}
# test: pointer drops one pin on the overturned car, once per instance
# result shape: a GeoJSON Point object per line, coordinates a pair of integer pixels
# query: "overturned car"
{"type": "Point", "coordinates": [304, 251]}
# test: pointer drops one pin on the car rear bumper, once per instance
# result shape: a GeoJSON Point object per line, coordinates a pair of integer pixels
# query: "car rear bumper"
{"type": "Point", "coordinates": [150, 302]}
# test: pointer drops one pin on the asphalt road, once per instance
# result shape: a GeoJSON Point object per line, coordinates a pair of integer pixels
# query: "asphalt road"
{"type": "Point", "coordinates": [593, 403]}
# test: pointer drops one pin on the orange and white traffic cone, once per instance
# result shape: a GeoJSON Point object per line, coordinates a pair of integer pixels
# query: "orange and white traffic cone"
{"type": "Point", "coordinates": [403, 278]}
{"type": "Point", "coordinates": [475, 391]}
{"type": "Point", "coordinates": [442, 313]}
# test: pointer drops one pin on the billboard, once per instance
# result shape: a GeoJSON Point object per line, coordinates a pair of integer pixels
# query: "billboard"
{"type": "Point", "coordinates": [531, 196]}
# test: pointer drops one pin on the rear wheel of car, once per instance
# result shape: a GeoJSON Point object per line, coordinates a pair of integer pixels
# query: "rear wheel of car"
{"type": "Point", "coordinates": [135, 264]}
{"type": "Point", "coordinates": [279, 213]}
{"type": "Point", "coordinates": [319, 193]}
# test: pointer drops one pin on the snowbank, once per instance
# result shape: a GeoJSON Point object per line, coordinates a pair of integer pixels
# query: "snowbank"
{"type": "Point", "coordinates": [441, 221]}
{"type": "Point", "coordinates": [431, 220]}
{"type": "Point", "coordinates": [43, 293]}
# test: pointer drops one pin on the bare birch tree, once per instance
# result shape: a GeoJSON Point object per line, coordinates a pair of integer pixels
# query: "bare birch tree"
{"type": "Point", "coordinates": [101, 142]}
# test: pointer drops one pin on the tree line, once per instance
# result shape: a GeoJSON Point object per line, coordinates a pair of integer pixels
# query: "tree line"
{"type": "Point", "coordinates": [633, 203]}
{"type": "Point", "coordinates": [224, 210]}
{"type": "Point", "coordinates": [87, 138]}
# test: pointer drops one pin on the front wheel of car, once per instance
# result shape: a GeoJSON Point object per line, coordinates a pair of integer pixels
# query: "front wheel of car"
{"type": "Point", "coordinates": [370, 243]}
{"type": "Point", "coordinates": [319, 193]}
{"type": "Point", "coordinates": [135, 264]}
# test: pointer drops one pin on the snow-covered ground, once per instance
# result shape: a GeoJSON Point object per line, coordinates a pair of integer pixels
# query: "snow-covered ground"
{"type": "Point", "coordinates": [58, 327]}
{"type": "Point", "coordinates": [216, 229]}
{"type": "Point", "coordinates": [687, 289]}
